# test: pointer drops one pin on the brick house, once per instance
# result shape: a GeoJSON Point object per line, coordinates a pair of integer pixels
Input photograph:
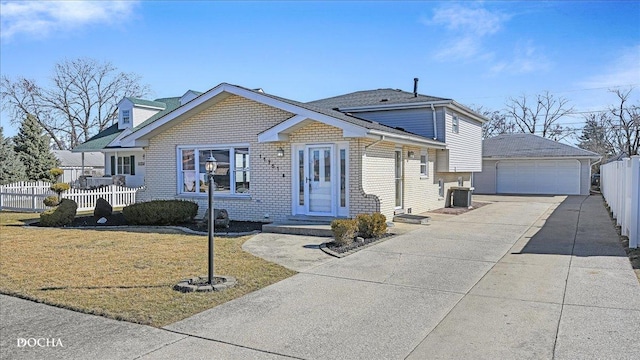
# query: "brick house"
{"type": "Point", "coordinates": [382, 150]}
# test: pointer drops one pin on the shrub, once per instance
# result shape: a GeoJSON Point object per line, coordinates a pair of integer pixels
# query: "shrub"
{"type": "Point", "coordinates": [344, 230]}
{"type": "Point", "coordinates": [51, 200]}
{"type": "Point", "coordinates": [371, 225]}
{"type": "Point", "coordinates": [160, 212]}
{"type": "Point", "coordinates": [56, 173]}
{"type": "Point", "coordinates": [60, 215]}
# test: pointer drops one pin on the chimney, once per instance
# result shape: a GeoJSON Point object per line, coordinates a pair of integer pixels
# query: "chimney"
{"type": "Point", "coordinates": [415, 87]}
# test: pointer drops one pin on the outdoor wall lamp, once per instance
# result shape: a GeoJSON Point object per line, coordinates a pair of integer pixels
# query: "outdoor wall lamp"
{"type": "Point", "coordinates": [280, 152]}
{"type": "Point", "coordinates": [411, 155]}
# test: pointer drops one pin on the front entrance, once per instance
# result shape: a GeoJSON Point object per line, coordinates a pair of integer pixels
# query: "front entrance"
{"type": "Point", "coordinates": [320, 180]}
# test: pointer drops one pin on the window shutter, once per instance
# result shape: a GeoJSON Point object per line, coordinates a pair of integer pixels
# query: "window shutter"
{"type": "Point", "coordinates": [133, 165]}
{"type": "Point", "coordinates": [113, 165]}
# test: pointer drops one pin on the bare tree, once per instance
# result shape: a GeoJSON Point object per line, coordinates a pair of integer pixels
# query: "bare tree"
{"type": "Point", "coordinates": [541, 115]}
{"type": "Point", "coordinates": [626, 123]}
{"type": "Point", "coordinates": [598, 136]}
{"type": "Point", "coordinates": [498, 122]}
{"type": "Point", "coordinates": [81, 100]}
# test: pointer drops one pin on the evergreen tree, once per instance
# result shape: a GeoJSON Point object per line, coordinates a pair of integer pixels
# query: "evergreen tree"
{"type": "Point", "coordinates": [32, 148]}
{"type": "Point", "coordinates": [597, 136]}
{"type": "Point", "coordinates": [11, 169]}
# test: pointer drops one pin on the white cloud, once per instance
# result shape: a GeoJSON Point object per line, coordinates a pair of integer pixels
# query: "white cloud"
{"type": "Point", "coordinates": [526, 59]}
{"type": "Point", "coordinates": [473, 20]}
{"type": "Point", "coordinates": [467, 27]}
{"type": "Point", "coordinates": [623, 71]}
{"type": "Point", "coordinates": [41, 18]}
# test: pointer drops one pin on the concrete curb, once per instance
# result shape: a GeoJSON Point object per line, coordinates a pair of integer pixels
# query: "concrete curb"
{"type": "Point", "coordinates": [125, 227]}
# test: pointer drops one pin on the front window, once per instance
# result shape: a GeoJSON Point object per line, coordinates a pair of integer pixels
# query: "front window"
{"type": "Point", "coordinates": [230, 177]}
{"type": "Point", "coordinates": [124, 165]}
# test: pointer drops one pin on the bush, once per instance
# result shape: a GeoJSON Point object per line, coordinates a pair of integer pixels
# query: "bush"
{"type": "Point", "coordinates": [160, 212]}
{"type": "Point", "coordinates": [61, 215]}
{"type": "Point", "coordinates": [344, 230]}
{"type": "Point", "coordinates": [51, 200]}
{"type": "Point", "coordinates": [371, 225]}
{"type": "Point", "coordinates": [56, 173]}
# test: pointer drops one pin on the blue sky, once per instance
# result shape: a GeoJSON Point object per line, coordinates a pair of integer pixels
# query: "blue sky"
{"type": "Point", "coordinates": [474, 52]}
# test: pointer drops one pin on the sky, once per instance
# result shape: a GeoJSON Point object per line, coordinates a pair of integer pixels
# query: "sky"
{"type": "Point", "coordinates": [477, 53]}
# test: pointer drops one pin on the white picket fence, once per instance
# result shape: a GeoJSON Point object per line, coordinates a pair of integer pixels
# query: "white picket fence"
{"type": "Point", "coordinates": [29, 196]}
{"type": "Point", "coordinates": [620, 185]}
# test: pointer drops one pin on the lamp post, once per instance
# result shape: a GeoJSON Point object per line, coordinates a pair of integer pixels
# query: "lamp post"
{"type": "Point", "coordinates": [211, 166]}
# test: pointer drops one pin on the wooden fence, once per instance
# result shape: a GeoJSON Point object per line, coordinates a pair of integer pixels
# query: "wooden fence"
{"type": "Point", "coordinates": [29, 196]}
{"type": "Point", "coordinates": [620, 185]}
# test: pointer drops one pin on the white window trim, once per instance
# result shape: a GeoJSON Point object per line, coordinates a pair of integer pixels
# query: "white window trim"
{"type": "Point", "coordinates": [424, 153]}
{"type": "Point", "coordinates": [232, 175]}
{"type": "Point", "coordinates": [122, 112]}
{"type": "Point", "coordinates": [455, 124]}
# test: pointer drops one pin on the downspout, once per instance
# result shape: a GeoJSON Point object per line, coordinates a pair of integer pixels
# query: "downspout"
{"type": "Point", "coordinates": [435, 125]}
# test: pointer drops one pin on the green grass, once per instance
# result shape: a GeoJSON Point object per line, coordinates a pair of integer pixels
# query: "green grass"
{"type": "Point", "coordinates": [123, 275]}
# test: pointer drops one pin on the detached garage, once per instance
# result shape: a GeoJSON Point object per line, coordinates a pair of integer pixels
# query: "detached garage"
{"type": "Point", "coordinates": [529, 164]}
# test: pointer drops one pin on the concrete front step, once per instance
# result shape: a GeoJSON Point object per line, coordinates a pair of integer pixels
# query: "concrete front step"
{"type": "Point", "coordinates": [412, 219]}
{"type": "Point", "coordinates": [298, 228]}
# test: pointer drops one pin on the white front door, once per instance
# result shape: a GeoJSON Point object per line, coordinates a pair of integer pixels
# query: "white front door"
{"type": "Point", "coordinates": [319, 180]}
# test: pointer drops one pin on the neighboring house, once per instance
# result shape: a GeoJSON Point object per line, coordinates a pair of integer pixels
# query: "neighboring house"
{"type": "Point", "coordinates": [381, 150]}
{"type": "Point", "coordinates": [530, 164]}
{"type": "Point", "coordinates": [74, 164]}
{"type": "Point", "coordinates": [129, 162]}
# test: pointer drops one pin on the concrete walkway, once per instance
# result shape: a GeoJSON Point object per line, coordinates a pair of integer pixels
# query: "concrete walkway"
{"type": "Point", "coordinates": [516, 279]}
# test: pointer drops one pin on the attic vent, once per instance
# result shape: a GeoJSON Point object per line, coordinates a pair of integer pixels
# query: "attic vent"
{"type": "Point", "coordinates": [384, 100]}
{"type": "Point", "coordinates": [259, 90]}
{"type": "Point", "coordinates": [399, 128]}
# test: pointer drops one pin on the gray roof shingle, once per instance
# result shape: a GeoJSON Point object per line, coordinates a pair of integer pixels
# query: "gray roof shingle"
{"type": "Point", "coordinates": [374, 97]}
{"type": "Point", "coordinates": [529, 146]}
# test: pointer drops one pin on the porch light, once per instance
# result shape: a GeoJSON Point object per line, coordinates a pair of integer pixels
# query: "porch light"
{"type": "Point", "coordinates": [411, 155]}
{"type": "Point", "coordinates": [211, 166]}
{"type": "Point", "coordinates": [280, 152]}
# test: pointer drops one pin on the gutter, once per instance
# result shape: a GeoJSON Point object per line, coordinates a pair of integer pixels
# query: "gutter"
{"type": "Point", "coordinates": [408, 139]}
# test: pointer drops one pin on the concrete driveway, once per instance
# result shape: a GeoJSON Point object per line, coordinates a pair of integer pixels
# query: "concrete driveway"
{"type": "Point", "coordinates": [517, 279]}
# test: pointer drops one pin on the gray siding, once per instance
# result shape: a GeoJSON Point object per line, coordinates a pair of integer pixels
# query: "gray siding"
{"type": "Point", "coordinates": [485, 182]}
{"type": "Point", "coordinates": [417, 121]}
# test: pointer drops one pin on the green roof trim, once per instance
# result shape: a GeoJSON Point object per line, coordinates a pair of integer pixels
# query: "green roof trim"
{"type": "Point", "coordinates": [149, 103]}
{"type": "Point", "coordinates": [100, 140]}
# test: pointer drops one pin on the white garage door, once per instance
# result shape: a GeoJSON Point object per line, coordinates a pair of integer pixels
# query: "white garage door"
{"type": "Point", "coordinates": [558, 177]}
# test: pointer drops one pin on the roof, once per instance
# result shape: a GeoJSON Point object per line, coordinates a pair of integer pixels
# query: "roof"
{"type": "Point", "coordinates": [143, 102]}
{"type": "Point", "coordinates": [100, 140]}
{"type": "Point", "coordinates": [371, 125]}
{"type": "Point", "coordinates": [529, 146]}
{"type": "Point", "coordinates": [374, 97]}
{"type": "Point", "coordinates": [71, 159]}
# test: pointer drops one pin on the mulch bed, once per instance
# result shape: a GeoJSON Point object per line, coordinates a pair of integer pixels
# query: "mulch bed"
{"type": "Point", "coordinates": [340, 249]}
{"type": "Point", "coordinates": [459, 210]}
{"type": "Point", "coordinates": [117, 219]}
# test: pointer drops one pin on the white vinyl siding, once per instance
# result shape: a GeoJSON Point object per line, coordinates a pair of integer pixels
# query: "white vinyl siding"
{"type": "Point", "coordinates": [464, 147]}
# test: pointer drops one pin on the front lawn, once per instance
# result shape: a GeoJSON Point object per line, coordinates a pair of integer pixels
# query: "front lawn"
{"type": "Point", "coordinates": [123, 275]}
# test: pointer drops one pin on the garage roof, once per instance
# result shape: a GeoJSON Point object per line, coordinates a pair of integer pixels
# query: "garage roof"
{"type": "Point", "coordinates": [519, 146]}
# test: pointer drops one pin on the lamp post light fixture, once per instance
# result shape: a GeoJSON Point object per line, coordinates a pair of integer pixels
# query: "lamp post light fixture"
{"type": "Point", "coordinates": [211, 166]}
